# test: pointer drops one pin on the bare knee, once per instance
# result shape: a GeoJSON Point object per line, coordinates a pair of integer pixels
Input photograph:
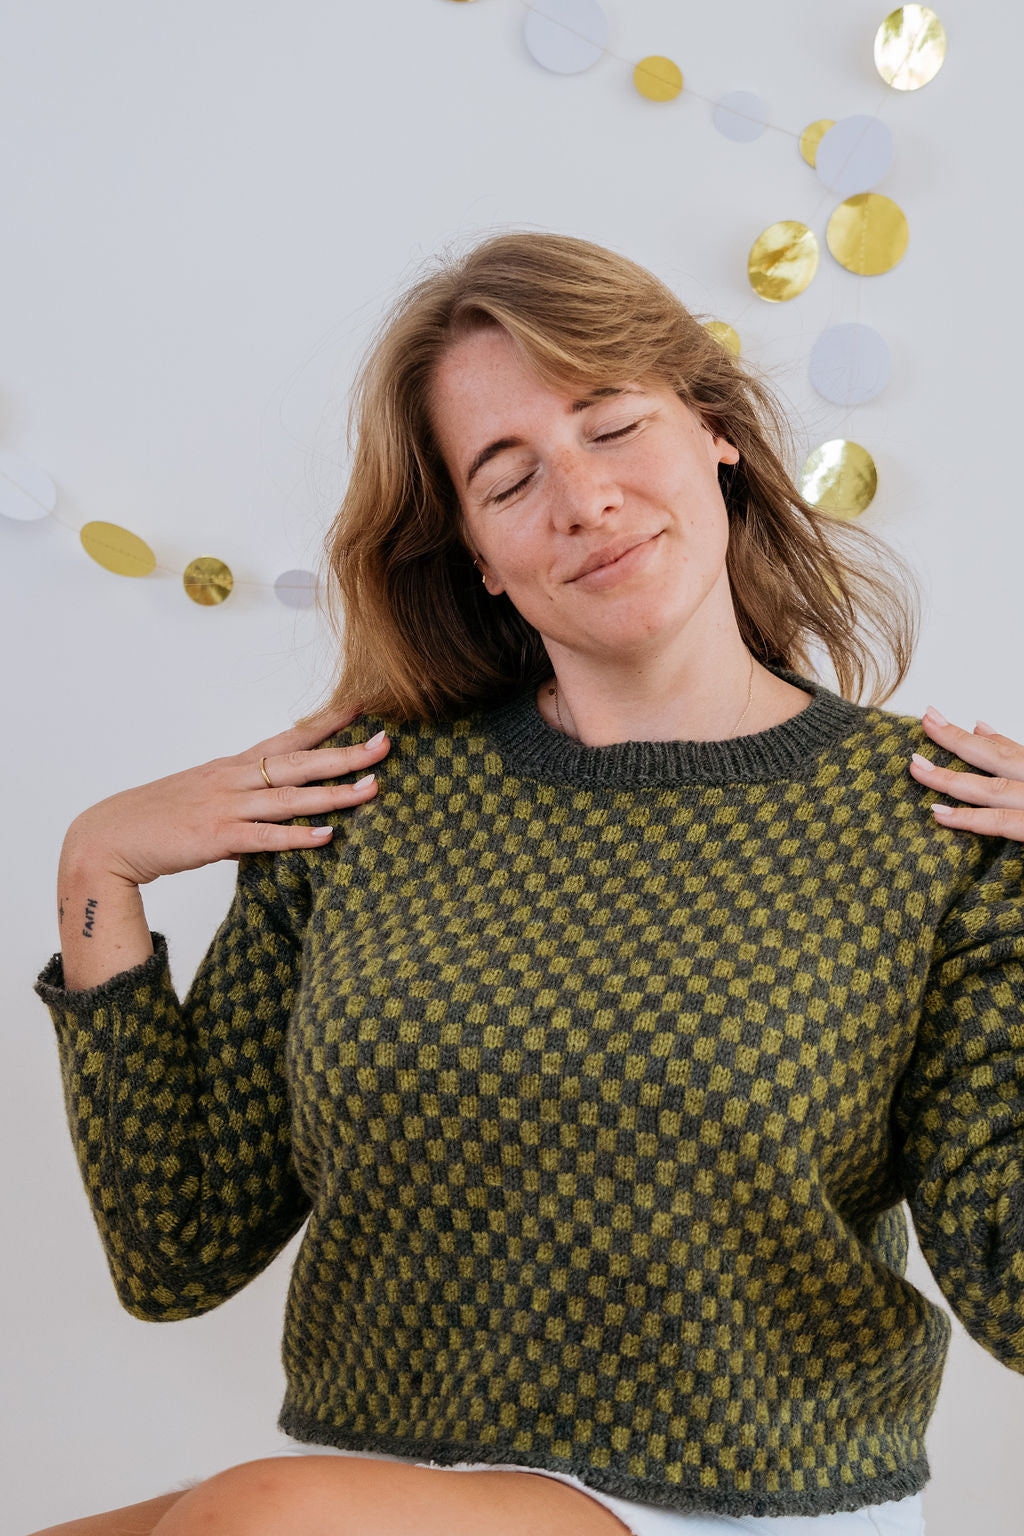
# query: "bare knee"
{"type": "Point", "coordinates": [318, 1493]}
{"type": "Point", "coordinates": [249, 1498]}
{"type": "Point", "coordinates": [129, 1520]}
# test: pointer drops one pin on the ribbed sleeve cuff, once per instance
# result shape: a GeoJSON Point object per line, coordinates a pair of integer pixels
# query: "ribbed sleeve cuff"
{"type": "Point", "coordinates": [119, 988]}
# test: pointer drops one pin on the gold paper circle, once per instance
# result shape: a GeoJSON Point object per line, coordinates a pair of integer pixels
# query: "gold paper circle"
{"type": "Point", "coordinates": [208, 581]}
{"type": "Point", "coordinates": [868, 234]}
{"type": "Point", "coordinates": [910, 47]}
{"type": "Point", "coordinates": [725, 334]}
{"type": "Point", "coordinates": [812, 137]}
{"type": "Point", "coordinates": [782, 260]}
{"type": "Point", "coordinates": [117, 550]}
{"type": "Point", "coordinates": [839, 477]}
{"type": "Point", "coordinates": [658, 78]}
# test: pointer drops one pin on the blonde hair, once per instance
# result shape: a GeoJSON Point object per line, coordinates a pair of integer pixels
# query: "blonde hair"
{"type": "Point", "coordinates": [420, 638]}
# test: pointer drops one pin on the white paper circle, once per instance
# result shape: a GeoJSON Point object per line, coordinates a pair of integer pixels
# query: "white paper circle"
{"type": "Point", "coordinates": [854, 155]}
{"type": "Point", "coordinates": [296, 589]}
{"type": "Point", "coordinates": [849, 364]}
{"type": "Point", "coordinates": [566, 35]}
{"type": "Point", "coordinates": [26, 491]}
{"type": "Point", "coordinates": [741, 116]}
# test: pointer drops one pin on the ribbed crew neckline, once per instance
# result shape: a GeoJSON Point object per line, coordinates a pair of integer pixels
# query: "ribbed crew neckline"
{"type": "Point", "coordinates": [531, 748]}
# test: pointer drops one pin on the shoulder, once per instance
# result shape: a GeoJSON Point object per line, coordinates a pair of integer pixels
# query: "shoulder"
{"type": "Point", "coordinates": [410, 742]}
{"type": "Point", "coordinates": [419, 757]}
{"type": "Point", "coordinates": [890, 736]}
{"type": "Point", "coordinates": [883, 796]}
{"type": "Point", "coordinates": [425, 756]}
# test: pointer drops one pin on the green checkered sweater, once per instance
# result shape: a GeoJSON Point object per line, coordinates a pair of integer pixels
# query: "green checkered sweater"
{"type": "Point", "coordinates": [599, 1076]}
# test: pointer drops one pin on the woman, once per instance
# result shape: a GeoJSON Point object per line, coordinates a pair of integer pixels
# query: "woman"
{"type": "Point", "coordinates": [601, 1034]}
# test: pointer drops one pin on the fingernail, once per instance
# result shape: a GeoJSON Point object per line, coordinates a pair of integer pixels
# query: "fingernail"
{"type": "Point", "coordinates": [375, 741]}
{"type": "Point", "coordinates": [943, 810]}
{"type": "Point", "coordinates": [362, 783]}
{"type": "Point", "coordinates": [934, 714]}
{"type": "Point", "coordinates": [985, 729]}
{"type": "Point", "coordinates": [922, 762]}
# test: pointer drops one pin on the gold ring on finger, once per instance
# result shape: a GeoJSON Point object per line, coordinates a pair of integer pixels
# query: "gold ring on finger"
{"type": "Point", "coordinates": [263, 770]}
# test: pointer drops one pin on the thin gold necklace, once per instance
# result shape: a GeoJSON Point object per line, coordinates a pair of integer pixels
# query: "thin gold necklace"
{"type": "Point", "coordinates": [739, 722]}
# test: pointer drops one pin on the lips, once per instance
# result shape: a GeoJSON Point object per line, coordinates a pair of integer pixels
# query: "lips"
{"type": "Point", "coordinates": [609, 553]}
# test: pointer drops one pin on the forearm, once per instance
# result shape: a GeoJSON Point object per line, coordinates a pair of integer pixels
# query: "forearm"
{"type": "Point", "coordinates": [102, 922]}
{"type": "Point", "coordinates": [179, 1110]}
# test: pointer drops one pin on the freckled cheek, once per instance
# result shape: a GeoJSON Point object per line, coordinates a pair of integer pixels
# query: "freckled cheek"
{"type": "Point", "coordinates": [522, 557]}
{"type": "Point", "coordinates": [701, 524]}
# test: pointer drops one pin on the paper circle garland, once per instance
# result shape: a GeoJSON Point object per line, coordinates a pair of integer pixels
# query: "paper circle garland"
{"type": "Point", "coordinates": [839, 477]}
{"type": "Point", "coordinates": [567, 36]}
{"type": "Point", "coordinates": [868, 234]}
{"type": "Point", "coordinates": [910, 47]}
{"type": "Point", "coordinates": [296, 589]}
{"type": "Point", "coordinates": [853, 155]}
{"type": "Point", "coordinates": [741, 116]}
{"type": "Point", "coordinates": [812, 137]}
{"type": "Point", "coordinates": [208, 581]}
{"type": "Point", "coordinates": [658, 79]}
{"type": "Point", "coordinates": [849, 364]}
{"type": "Point", "coordinates": [117, 549]}
{"type": "Point", "coordinates": [783, 260]}
{"type": "Point", "coordinates": [725, 334]}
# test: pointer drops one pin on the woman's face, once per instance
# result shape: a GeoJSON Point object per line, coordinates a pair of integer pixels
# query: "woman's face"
{"type": "Point", "coordinates": [549, 485]}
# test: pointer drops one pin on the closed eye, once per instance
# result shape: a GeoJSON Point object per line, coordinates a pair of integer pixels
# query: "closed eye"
{"type": "Point", "coordinates": [605, 437]}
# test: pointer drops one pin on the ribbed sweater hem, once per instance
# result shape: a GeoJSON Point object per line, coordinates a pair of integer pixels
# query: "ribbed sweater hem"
{"type": "Point", "coordinates": [757, 1499]}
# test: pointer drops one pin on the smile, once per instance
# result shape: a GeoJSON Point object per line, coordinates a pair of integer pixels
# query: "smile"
{"type": "Point", "coordinates": [616, 570]}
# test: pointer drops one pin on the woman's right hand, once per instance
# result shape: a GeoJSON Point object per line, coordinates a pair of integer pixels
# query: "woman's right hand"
{"type": "Point", "coordinates": [223, 808]}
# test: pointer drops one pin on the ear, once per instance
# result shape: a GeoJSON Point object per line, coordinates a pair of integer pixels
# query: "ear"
{"type": "Point", "coordinates": [724, 452]}
{"type": "Point", "coordinates": [487, 576]}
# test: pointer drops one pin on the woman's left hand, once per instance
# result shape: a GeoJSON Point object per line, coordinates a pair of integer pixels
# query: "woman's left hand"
{"type": "Point", "coordinates": [1002, 797]}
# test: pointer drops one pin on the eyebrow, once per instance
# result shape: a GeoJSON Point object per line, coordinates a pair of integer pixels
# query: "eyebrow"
{"type": "Point", "coordinates": [501, 443]}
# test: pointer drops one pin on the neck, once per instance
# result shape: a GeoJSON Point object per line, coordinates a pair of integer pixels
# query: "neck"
{"type": "Point", "coordinates": [657, 701]}
{"type": "Point", "coordinates": [788, 745]}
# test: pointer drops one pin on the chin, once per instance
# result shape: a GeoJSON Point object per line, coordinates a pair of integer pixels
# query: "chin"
{"type": "Point", "coordinates": [642, 629]}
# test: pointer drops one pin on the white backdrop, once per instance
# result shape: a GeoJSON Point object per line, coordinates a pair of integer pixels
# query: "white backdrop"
{"type": "Point", "coordinates": [207, 207]}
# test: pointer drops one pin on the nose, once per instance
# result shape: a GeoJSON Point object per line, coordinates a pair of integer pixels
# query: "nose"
{"type": "Point", "coordinates": [583, 488]}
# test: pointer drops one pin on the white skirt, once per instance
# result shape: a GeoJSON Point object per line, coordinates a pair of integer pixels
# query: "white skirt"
{"type": "Point", "coordinates": [896, 1517]}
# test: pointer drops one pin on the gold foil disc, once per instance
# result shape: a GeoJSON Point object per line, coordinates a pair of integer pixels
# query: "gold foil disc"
{"type": "Point", "coordinates": [839, 477]}
{"type": "Point", "coordinates": [208, 581]}
{"type": "Point", "coordinates": [117, 550]}
{"type": "Point", "coordinates": [782, 261]}
{"type": "Point", "coordinates": [725, 334]}
{"type": "Point", "coordinates": [868, 234]}
{"type": "Point", "coordinates": [657, 78]}
{"type": "Point", "coordinates": [910, 47]}
{"type": "Point", "coordinates": [812, 137]}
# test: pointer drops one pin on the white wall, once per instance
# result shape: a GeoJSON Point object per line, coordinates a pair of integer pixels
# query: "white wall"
{"type": "Point", "coordinates": [207, 207]}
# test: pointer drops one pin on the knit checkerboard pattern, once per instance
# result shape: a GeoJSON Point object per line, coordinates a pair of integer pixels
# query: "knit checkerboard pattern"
{"type": "Point", "coordinates": [603, 1078]}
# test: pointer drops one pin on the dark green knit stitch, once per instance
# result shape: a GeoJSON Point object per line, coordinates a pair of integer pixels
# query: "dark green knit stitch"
{"type": "Point", "coordinates": [602, 1074]}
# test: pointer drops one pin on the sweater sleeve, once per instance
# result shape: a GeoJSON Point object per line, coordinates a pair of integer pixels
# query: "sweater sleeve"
{"type": "Point", "coordinates": [179, 1112]}
{"type": "Point", "coordinates": [959, 1106]}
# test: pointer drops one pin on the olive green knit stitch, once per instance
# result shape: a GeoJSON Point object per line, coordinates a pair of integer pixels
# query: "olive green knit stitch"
{"type": "Point", "coordinates": [605, 1078]}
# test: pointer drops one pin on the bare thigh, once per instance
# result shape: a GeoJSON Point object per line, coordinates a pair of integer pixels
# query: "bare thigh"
{"type": "Point", "coordinates": [353, 1496]}
{"type": "Point", "coordinates": [129, 1520]}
